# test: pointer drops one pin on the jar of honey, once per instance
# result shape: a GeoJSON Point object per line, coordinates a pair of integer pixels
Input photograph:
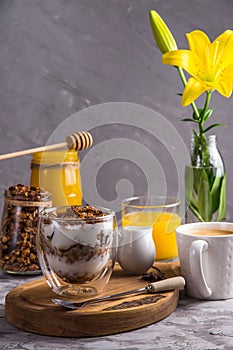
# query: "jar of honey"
{"type": "Point", "coordinates": [58, 172]}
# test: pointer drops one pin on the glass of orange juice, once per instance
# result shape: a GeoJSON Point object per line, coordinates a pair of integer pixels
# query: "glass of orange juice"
{"type": "Point", "coordinates": [163, 213]}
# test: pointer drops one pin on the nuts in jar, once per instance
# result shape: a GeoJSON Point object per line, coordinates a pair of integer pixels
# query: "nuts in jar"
{"type": "Point", "coordinates": [18, 252]}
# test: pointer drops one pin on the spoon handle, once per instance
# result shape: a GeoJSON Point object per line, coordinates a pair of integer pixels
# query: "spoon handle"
{"type": "Point", "coordinates": [167, 284]}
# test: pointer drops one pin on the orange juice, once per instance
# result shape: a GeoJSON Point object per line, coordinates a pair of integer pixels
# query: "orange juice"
{"type": "Point", "coordinates": [59, 173]}
{"type": "Point", "coordinates": [164, 225]}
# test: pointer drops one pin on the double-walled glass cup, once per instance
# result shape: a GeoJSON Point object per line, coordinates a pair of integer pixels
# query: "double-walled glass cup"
{"type": "Point", "coordinates": [162, 213]}
{"type": "Point", "coordinates": [76, 255]}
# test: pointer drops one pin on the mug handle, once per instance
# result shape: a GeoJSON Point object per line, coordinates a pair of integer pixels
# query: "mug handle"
{"type": "Point", "coordinates": [196, 266]}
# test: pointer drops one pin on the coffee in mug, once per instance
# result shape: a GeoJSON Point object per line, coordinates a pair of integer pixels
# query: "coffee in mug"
{"type": "Point", "coordinates": [206, 258]}
{"type": "Point", "coordinates": [209, 232]}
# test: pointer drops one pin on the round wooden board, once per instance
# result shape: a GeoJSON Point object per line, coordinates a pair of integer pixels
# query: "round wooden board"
{"type": "Point", "coordinates": [29, 307]}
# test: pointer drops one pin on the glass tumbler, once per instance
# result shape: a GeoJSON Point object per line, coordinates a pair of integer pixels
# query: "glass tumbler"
{"type": "Point", "coordinates": [162, 213]}
{"type": "Point", "coordinates": [76, 254]}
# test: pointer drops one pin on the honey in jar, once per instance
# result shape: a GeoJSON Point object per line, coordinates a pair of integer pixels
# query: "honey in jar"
{"type": "Point", "coordinates": [59, 173]}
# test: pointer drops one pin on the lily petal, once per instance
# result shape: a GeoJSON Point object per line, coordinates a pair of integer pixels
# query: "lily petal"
{"type": "Point", "coordinates": [224, 87]}
{"type": "Point", "coordinates": [225, 49]}
{"type": "Point", "coordinates": [185, 59]}
{"type": "Point", "coordinates": [225, 38]}
{"type": "Point", "coordinates": [192, 91]}
{"type": "Point", "coordinates": [227, 73]}
{"type": "Point", "coordinates": [198, 42]}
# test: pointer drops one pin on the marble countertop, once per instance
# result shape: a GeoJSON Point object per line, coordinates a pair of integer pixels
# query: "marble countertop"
{"type": "Point", "coordinates": [194, 325]}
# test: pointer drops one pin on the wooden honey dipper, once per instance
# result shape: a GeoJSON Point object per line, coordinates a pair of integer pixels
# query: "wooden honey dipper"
{"type": "Point", "coordinates": [76, 141]}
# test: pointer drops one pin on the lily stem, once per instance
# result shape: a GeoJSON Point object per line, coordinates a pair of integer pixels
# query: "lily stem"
{"type": "Point", "coordinates": [202, 119]}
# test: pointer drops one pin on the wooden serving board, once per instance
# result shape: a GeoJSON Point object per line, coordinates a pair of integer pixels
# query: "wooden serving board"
{"type": "Point", "coordinates": [29, 307]}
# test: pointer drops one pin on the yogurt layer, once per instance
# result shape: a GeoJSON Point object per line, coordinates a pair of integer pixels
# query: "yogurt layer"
{"type": "Point", "coordinates": [78, 253]}
{"type": "Point", "coordinates": [64, 236]}
{"type": "Point", "coordinates": [79, 270]}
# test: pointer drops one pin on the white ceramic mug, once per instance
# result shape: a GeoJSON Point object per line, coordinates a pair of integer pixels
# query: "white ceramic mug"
{"type": "Point", "coordinates": [136, 250]}
{"type": "Point", "coordinates": [206, 260]}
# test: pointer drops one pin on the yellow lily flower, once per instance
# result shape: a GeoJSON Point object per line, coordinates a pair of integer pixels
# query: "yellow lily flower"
{"type": "Point", "coordinates": [163, 37]}
{"type": "Point", "coordinates": [209, 63]}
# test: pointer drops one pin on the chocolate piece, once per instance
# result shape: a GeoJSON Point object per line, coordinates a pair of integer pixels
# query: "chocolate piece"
{"type": "Point", "coordinates": [153, 276]}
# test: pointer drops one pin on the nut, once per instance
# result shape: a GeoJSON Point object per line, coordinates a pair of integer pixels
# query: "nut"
{"type": "Point", "coordinates": [18, 251]}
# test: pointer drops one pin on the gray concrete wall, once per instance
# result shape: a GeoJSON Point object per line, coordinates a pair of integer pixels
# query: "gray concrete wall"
{"type": "Point", "coordinates": [58, 57]}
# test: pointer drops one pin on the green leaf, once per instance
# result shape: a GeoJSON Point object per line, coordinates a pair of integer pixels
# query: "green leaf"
{"type": "Point", "coordinates": [197, 176]}
{"type": "Point", "coordinates": [215, 193]}
{"type": "Point", "coordinates": [189, 179]}
{"type": "Point", "coordinates": [193, 203]}
{"type": "Point", "coordinates": [196, 137]}
{"type": "Point", "coordinates": [190, 199]}
{"type": "Point", "coordinates": [213, 126]}
{"type": "Point", "coordinates": [192, 191]}
{"type": "Point", "coordinates": [204, 197]}
{"type": "Point", "coordinates": [194, 210]}
{"type": "Point", "coordinates": [189, 120]}
{"type": "Point", "coordinates": [222, 204]}
{"type": "Point", "coordinates": [207, 114]}
{"type": "Point", "coordinates": [194, 114]}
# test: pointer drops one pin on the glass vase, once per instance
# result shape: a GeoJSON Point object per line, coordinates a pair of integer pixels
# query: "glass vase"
{"type": "Point", "coordinates": [205, 182]}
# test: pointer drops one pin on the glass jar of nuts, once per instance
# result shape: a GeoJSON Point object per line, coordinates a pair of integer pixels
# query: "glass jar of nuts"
{"type": "Point", "coordinates": [18, 252]}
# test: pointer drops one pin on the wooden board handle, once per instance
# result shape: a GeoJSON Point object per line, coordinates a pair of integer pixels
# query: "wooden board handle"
{"type": "Point", "coordinates": [167, 284]}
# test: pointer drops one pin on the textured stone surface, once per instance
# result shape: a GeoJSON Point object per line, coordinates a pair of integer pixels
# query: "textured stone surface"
{"type": "Point", "coordinates": [58, 57]}
{"type": "Point", "coordinates": [194, 325]}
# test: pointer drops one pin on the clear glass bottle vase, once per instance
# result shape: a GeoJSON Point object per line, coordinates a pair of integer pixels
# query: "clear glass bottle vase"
{"type": "Point", "coordinates": [205, 182]}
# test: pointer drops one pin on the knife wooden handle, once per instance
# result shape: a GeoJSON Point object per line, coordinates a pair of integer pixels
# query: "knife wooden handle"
{"type": "Point", "coordinates": [167, 284]}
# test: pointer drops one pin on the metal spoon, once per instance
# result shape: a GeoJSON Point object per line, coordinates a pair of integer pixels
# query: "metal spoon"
{"type": "Point", "coordinates": [164, 285]}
